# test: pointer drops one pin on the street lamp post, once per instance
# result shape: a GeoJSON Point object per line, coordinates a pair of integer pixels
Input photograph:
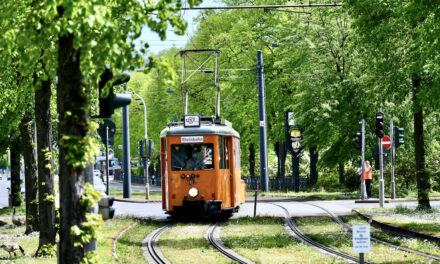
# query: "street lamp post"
{"type": "Point", "coordinates": [147, 184]}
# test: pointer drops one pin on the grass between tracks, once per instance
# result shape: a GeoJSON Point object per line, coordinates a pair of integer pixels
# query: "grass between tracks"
{"type": "Point", "coordinates": [426, 221]}
{"type": "Point", "coordinates": [325, 231]}
{"type": "Point", "coordinates": [320, 195]}
{"type": "Point", "coordinates": [415, 244]}
{"type": "Point", "coordinates": [110, 230]}
{"type": "Point", "coordinates": [186, 243]}
{"type": "Point", "coordinates": [129, 246]}
{"type": "Point", "coordinates": [264, 240]}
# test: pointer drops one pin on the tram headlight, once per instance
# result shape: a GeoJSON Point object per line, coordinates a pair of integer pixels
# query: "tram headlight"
{"type": "Point", "coordinates": [193, 192]}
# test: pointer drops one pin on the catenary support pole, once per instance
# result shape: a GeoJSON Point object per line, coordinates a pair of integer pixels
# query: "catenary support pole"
{"type": "Point", "coordinates": [263, 130]}
{"type": "Point", "coordinates": [126, 151]}
{"type": "Point", "coordinates": [363, 187]}
{"type": "Point", "coordinates": [393, 149]}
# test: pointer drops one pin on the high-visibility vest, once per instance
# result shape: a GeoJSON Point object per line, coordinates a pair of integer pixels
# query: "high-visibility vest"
{"type": "Point", "coordinates": [368, 172]}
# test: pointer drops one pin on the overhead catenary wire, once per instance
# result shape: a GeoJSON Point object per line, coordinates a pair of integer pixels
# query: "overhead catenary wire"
{"type": "Point", "coordinates": [258, 6]}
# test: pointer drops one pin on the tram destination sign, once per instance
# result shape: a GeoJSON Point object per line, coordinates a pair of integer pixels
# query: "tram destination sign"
{"type": "Point", "coordinates": [194, 139]}
{"type": "Point", "coordinates": [191, 120]}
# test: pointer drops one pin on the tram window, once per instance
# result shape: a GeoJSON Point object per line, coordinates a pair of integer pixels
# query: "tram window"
{"type": "Point", "coordinates": [237, 153]}
{"type": "Point", "coordinates": [223, 153]}
{"type": "Point", "coordinates": [192, 157]}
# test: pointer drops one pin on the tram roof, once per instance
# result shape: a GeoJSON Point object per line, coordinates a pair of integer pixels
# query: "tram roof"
{"type": "Point", "coordinates": [218, 127]}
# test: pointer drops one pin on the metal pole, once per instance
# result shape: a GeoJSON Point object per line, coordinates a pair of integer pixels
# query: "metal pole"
{"type": "Point", "coordinates": [393, 149]}
{"type": "Point", "coordinates": [263, 131]}
{"type": "Point", "coordinates": [106, 159]}
{"type": "Point", "coordinates": [295, 169]}
{"type": "Point", "coordinates": [361, 258]}
{"type": "Point", "coordinates": [126, 150]}
{"type": "Point", "coordinates": [147, 183]}
{"type": "Point", "coordinates": [255, 203]}
{"type": "Point", "coordinates": [363, 187]}
{"type": "Point", "coordinates": [381, 183]}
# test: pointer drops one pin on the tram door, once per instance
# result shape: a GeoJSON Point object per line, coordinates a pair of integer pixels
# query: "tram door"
{"type": "Point", "coordinates": [224, 166]}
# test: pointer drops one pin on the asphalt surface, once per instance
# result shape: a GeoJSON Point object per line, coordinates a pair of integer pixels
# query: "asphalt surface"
{"type": "Point", "coordinates": [264, 206]}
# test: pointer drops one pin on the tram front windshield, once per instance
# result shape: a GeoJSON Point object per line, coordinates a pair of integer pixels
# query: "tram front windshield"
{"type": "Point", "coordinates": [192, 157]}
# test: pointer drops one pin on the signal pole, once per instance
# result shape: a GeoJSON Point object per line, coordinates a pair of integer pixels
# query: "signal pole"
{"type": "Point", "coordinates": [381, 182]}
{"type": "Point", "coordinates": [393, 149]}
{"type": "Point", "coordinates": [126, 151]}
{"type": "Point", "coordinates": [264, 174]}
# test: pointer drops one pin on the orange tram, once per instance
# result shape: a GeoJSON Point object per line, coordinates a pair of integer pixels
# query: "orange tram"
{"type": "Point", "coordinates": [200, 163]}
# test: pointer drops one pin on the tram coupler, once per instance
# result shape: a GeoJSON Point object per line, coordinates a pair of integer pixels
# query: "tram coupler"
{"type": "Point", "coordinates": [213, 207]}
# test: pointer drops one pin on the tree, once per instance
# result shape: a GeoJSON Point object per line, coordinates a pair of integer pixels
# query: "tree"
{"type": "Point", "coordinates": [30, 171]}
{"type": "Point", "coordinates": [400, 49]}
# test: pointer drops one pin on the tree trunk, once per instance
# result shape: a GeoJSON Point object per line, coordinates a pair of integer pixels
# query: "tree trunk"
{"type": "Point", "coordinates": [252, 160]}
{"type": "Point", "coordinates": [45, 165]}
{"type": "Point", "coordinates": [30, 172]}
{"type": "Point", "coordinates": [16, 196]}
{"type": "Point", "coordinates": [72, 110]}
{"type": "Point", "coordinates": [341, 173]}
{"type": "Point", "coordinates": [423, 185]}
{"type": "Point", "coordinates": [314, 155]}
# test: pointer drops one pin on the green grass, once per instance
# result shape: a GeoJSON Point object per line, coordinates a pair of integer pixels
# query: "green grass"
{"type": "Point", "coordinates": [416, 244]}
{"type": "Point", "coordinates": [8, 210]}
{"type": "Point", "coordinates": [264, 240]}
{"type": "Point", "coordinates": [185, 243]}
{"type": "Point", "coordinates": [426, 221]}
{"type": "Point", "coordinates": [325, 231]}
{"type": "Point", "coordinates": [136, 194]}
{"type": "Point", "coordinates": [129, 246]}
{"type": "Point", "coordinates": [321, 195]}
{"type": "Point", "coordinates": [109, 232]}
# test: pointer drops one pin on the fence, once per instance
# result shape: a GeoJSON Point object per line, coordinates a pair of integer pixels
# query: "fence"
{"type": "Point", "coordinates": [277, 184]}
{"type": "Point", "coordinates": [138, 179]}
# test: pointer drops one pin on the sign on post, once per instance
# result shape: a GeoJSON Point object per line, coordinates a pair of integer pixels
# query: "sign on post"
{"type": "Point", "coordinates": [386, 142]}
{"type": "Point", "coordinates": [361, 238]}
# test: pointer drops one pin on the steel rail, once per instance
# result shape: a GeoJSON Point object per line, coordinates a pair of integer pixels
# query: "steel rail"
{"type": "Point", "coordinates": [222, 249]}
{"type": "Point", "coordinates": [338, 220]}
{"type": "Point", "coordinates": [151, 249]}
{"type": "Point", "coordinates": [304, 238]}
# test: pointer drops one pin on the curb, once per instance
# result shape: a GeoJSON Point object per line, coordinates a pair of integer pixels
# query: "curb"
{"type": "Point", "coordinates": [401, 231]}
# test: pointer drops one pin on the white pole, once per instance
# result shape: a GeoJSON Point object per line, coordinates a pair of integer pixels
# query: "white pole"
{"type": "Point", "coordinates": [147, 184]}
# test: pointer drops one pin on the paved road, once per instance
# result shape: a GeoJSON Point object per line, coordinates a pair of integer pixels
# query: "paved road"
{"type": "Point", "coordinates": [340, 207]}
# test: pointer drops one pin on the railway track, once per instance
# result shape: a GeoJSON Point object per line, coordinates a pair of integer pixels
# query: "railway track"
{"type": "Point", "coordinates": [212, 238]}
{"type": "Point", "coordinates": [307, 240]}
{"type": "Point", "coordinates": [150, 248]}
{"type": "Point", "coordinates": [115, 240]}
{"type": "Point", "coordinates": [338, 220]}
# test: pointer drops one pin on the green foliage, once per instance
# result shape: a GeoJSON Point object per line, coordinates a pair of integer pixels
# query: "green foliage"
{"type": "Point", "coordinates": [90, 196]}
{"type": "Point", "coordinates": [88, 231]}
{"type": "Point", "coordinates": [47, 250]}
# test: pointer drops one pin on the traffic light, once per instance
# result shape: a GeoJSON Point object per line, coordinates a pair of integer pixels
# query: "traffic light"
{"type": "Point", "coordinates": [398, 136]}
{"type": "Point", "coordinates": [380, 131]}
{"type": "Point", "coordinates": [358, 140]}
{"type": "Point", "coordinates": [105, 207]}
{"type": "Point", "coordinates": [150, 151]}
{"type": "Point", "coordinates": [142, 148]}
{"type": "Point", "coordinates": [107, 105]}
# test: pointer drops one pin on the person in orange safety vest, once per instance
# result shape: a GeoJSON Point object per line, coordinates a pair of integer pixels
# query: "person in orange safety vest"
{"type": "Point", "coordinates": [368, 177]}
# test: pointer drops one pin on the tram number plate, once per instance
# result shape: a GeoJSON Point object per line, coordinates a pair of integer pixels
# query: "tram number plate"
{"type": "Point", "coordinates": [361, 238]}
{"type": "Point", "coordinates": [195, 139]}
